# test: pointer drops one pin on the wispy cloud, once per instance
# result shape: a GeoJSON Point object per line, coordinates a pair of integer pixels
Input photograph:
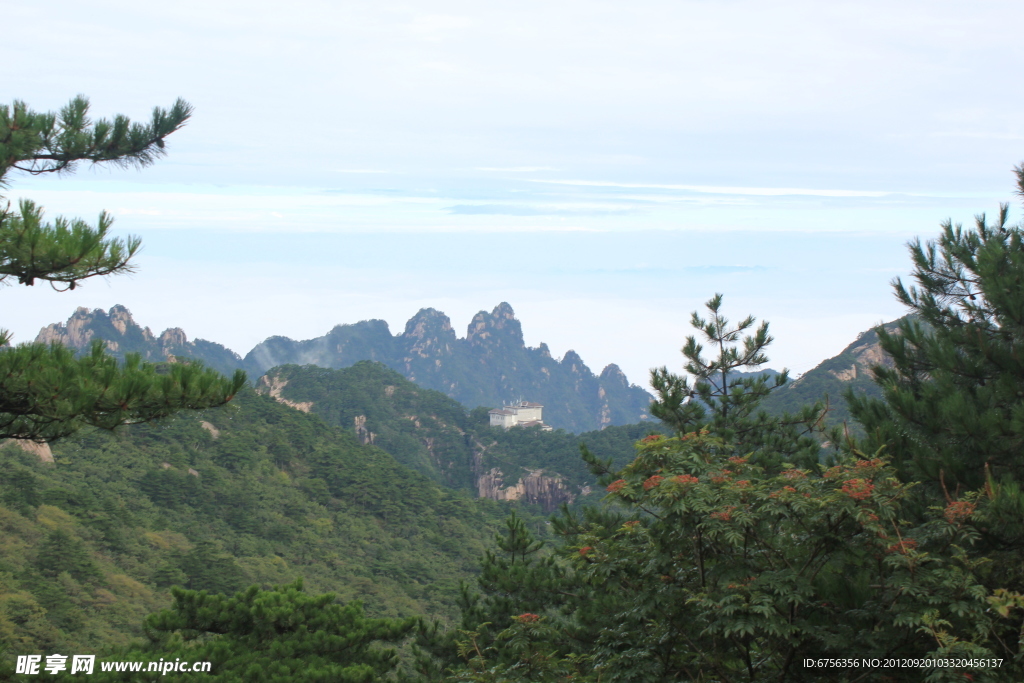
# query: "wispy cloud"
{"type": "Point", "coordinates": [715, 189]}
{"type": "Point", "coordinates": [515, 169]}
{"type": "Point", "coordinates": [513, 210]}
{"type": "Point", "coordinates": [357, 170]}
{"type": "Point", "coordinates": [977, 135]}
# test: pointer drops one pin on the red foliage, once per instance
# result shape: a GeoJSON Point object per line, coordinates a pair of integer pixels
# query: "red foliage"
{"type": "Point", "coordinates": [652, 482]}
{"type": "Point", "coordinates": [719, 477]}
{"type": "Point", "coordinates": [833, 472]}
{"type": "Point", "coordinates": [958, 511]}
{"type": "Point", "coordinates": [902, 547]}
{"type": "Point", "coordinates": [528, 618]}
{"type": "Point", "coordinates": [724, 515]}
{"type": "Point", "coordinates": [616, 486]}
{"type": "Point", "coordinates": [685, 479]}
{"type": "Point", "coordinates": [650, 438]}
{"type": "Point", "coordinates": [858, 489]}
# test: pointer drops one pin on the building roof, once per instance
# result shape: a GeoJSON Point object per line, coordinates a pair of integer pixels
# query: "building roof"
{"type": "Point", "coordinates": [498, 411]}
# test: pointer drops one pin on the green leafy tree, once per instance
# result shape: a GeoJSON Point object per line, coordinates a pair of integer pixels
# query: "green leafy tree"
{"type": "Point", "coordinates": [45, 391]}
{"type": "Point", "coordinates": [279, 635]}
{"type": "Point", "coordinates": [726, 400]}
{"type": "Point", "coordinates": [714, 569]}
{"type": "Point", "coordinates": [729, 572]}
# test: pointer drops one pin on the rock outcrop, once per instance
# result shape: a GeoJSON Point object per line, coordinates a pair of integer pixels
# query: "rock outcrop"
{"type": "Point", "coordinates": [273, 385]}
{"type": "Point", "coordinates": [122, 335]}
{"type": "Point", "coordinates": [40, 450]}
{"type": "Point", "coordinates": [536, 487]}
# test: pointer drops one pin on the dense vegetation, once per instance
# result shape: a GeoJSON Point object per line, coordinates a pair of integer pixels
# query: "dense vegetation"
{"type": "Point", "coordinates": [257, 493]}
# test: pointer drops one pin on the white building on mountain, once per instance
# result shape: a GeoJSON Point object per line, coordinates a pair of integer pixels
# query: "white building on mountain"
{"type": "Point", "coordinates": [522, 414]}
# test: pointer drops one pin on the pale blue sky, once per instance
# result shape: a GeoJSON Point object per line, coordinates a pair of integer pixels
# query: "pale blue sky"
{"type": "Point", "coordinates": [604, 167]}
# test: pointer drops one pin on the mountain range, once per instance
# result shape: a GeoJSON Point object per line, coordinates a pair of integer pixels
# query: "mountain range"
{"type": "Point", "coordinates": [490, 366]}
{"type": "Point", "coordinates": [341, 466]}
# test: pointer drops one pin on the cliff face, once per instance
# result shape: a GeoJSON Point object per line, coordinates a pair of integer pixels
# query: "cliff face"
{"type": "Point", "coordinates": [490, 366]}
{"type": "Point", "coordinates": [122, 335]}
{"type": "Point", "coordinates": [535, 487]}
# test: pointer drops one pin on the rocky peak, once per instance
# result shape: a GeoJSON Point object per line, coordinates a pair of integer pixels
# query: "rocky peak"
{"type": "Point", "coordinates": [84, 324]}
{"type": "Point", "coordinates": [866, 353]}
{"type": "Point", "coordinates": [121, 318]}
{"type": "Point", "coordinates": [613, 375]}
{"type": "Point", "coordinates": [174, 336]}
{"type": "Point", "coordinates": [500, 323]}
{"type": "Point", "coordinates": [75, 333]}
{"type": "Point", "coordinates": [430, 332]}
{"type": "Point", "coordinates": [572, 360]}
{"type": "Point", "coordinates": [121, 335]}
{"type": "Point", "coordinates": [429, 322]}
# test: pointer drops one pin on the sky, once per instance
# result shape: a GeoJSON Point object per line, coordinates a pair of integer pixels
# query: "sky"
{"type": "Point", "coordinates": [603, 167]}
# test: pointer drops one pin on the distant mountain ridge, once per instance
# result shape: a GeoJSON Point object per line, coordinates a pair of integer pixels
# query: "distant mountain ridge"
{"type": "Point", "coordinates": [490, 366]}
{"type": "Point", "coordinates": [849, 370]}
{"type": "Point", "coordinates": [121, 334]}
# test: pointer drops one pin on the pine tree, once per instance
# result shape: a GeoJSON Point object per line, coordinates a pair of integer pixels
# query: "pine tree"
{"type": "Point", "coordinates": [278, 635]}
{"type": "Point", "coordinates": [728, 405]}
{"type": "Point", "coordinates": [952, 412]}
{"type": "Point", "coordinates": [45, 391]}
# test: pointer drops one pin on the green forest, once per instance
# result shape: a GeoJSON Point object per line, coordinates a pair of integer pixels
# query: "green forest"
{"type": "Point", "coordinates": [328, 525]}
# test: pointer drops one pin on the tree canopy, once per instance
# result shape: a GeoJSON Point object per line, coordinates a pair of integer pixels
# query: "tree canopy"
{"type": "Point", "coordinates": [268, 636]}
{"type": "Point", "coordinates": [46, 392]}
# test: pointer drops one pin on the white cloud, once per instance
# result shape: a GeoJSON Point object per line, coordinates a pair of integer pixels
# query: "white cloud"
{"type": "Point", "coordinates": [357, 170]}
{"type": "Point", "coordinates": [516, 169]}
{"type": "Point", "coordinates": [711, 189]}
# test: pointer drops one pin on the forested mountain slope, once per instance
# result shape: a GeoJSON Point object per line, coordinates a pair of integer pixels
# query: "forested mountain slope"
{"type": "Point", "coordinates": [256, 492]}
{"type": "Point", "coordinates": [491, 365]}
{"type": "Point", "coordinates": [849, 370]}
{"type": "Point", "coordinates": [432, 433]}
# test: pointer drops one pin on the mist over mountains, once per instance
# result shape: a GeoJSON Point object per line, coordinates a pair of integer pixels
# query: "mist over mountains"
{"type": "Point", "coordinates": [490, 366]}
